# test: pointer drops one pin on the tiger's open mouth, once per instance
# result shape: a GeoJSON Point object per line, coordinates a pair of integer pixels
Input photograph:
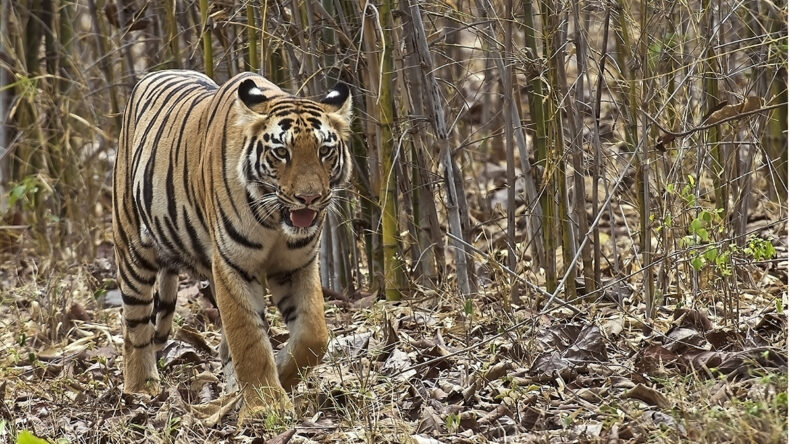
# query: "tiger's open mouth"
{"type": "Point", "coordinates": [302, 218]}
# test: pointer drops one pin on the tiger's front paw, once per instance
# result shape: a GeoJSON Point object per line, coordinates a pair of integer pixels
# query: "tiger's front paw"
{"type": "Point", "coordinates": [149, 386]}
{"type": "Point", "coordinates": [271, 404]}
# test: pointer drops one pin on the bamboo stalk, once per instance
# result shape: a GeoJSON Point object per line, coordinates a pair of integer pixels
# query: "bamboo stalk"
{"type": "Point", "coordinates": [125, 24]}
{"type": "Point", "coordinates": [4, 133]}
{"type": "Point", "coordinates": [552, 156]}
{"type": "Point", "coordinates": [253, 64]}
{"type": "Point", "coordinates": [631, 83]}
{"type": "Point", "coordinates": [371, 153]}
{"type": "Point", "coordinates": [538, 108]}
{"type": "Point", "coordinates": [711, 99]}
{"type": "Point", "coordinates": [438, 123]}
{"type": "Point", "coordinates": [507, 95]}
{"type": "Point", "coordinates": [597, 170]}
{"type": "Point", "coordinates": [173, 38]}
{"type": "Point", "coordinates": [208, 58]}
{"type": "Point", "coordinates": [577, 150]}
{"type": "Point", "coordinates": [393, 271]}
{"type": "Point", "coordinates": [327, 258]}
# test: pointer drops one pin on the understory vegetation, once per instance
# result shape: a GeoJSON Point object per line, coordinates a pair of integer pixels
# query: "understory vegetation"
{"type": "Point", "coordinates": [568, 220]}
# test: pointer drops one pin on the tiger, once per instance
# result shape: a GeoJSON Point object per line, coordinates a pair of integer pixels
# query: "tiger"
{"type": "Point", "coordinates": [231, 183]}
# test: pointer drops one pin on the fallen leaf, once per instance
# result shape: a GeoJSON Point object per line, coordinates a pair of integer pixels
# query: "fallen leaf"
{"type": "Point", "coordinates": [685, 339]}
{"type": "Point", "coordinates": [212, 412]}
{"type": "Point", "coordinates": [397, 363]}
{"type": "Point", "coordinates": [690, 318]}
{"type": "Point", "coordinates": [350, 346]}
{"type": "Point", "coordinates": [613, 327]}
{"type": "Point", "coordinates": [548, 364]}
{"type": "Point", "coordinates": [177, 352]}
{"type": "Point", "coordinates": [282, 438]}
{"type": "Point", "coordinates": [653, 359]}
{"type": "Point", "coordinates": [589, 346]}
{"type": "Point", "coordinates": [648, 395]}
{"type": "Point", "coordinates": [495, 414]}
{"type": "Point", "coordinates": [430, 422]}
{"type": "Point", "coordinates": [194, 338]}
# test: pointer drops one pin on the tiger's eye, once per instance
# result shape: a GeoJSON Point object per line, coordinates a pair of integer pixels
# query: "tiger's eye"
{"type": "Point", "coordinates": [324, 150]}
{"type": "Point", "coordinates": [281, 152]}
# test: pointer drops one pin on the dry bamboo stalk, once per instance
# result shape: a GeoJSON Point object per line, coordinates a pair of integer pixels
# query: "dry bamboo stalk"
{"type": "Point", "coordinates": [326, 257]}
{"type": "Point", "coordinates": [253, 63]}
{"type": "Point", "coordinates": [554, 33]}
{"type": "Point", "coordinates": [631, 85]}
{"type": "Point", "coordinates": [507, 95]}
{"type": "Point", "coordinates": [4, 149]}
{"type": "Point", "coordinates": [710, 100]}
{"type": "Point", "coordinates": [125, 24]}
{"type": "Point", "coordinates": [429, 216]}
{"type": "Point", "coordinates": [534, 213]}
{"type": "Point", "coordinates": [375, 133]}
{"type": "Point", "coordinates": [538, 108]}
{"type": "Point", "coordinates": [576, 123]}
{"type": "Point", "coordinates": [597, 162]}
{"type": "Point", "coordinates": [104, 64]}
{"type": "Point", "coordinates": [173, 38]}
{"type": "Point", "coordinates": [423, 258]}
{"type": "Point", "coordinates": [438, 123]}
{"type": "Point", "coordinates": [550, 156]}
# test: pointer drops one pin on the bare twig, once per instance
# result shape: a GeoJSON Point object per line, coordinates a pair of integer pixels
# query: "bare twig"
{"type": "Point", "coordinates": [711, 125]}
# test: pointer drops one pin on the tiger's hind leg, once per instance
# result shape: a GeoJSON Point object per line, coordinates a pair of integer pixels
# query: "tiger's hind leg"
{"type": "Point", "coordinates": [137, 271]}
{"type": "Point", "coordinates": [164, 306]}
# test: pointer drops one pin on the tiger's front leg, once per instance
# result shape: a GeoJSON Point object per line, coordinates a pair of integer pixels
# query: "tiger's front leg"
{"type": "Point", "coordinates": [250, 350]}
{"type": "Point", "coordinates": [299, 298]}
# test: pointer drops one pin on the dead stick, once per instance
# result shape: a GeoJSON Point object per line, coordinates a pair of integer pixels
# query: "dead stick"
{"type": "Point", "coordinates": [711, 125]}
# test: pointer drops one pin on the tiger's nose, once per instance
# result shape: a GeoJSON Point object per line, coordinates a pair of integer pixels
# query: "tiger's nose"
{"type": "Point", "coordinates": [307, 199]}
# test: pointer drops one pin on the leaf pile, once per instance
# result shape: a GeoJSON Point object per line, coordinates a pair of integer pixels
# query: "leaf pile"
{"type": "Point", "coordinates": [421, 371]}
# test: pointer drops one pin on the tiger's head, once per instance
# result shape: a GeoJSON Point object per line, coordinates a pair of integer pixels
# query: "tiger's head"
{"type": "Point", "coordinates": [295, 155]}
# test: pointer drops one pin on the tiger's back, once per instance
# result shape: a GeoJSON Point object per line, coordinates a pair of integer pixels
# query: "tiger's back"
{"type": "Point", "coordinates": [162, 123]}
{"type": "Point", "coordinates": [233, 183]}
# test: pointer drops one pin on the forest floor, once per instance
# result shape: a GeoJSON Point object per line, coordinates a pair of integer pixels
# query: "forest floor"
{"type": "Point", "coordinates": [432, 368]}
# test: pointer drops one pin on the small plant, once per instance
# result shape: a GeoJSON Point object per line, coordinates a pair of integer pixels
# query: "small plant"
{"type": "Point", "coordinates": [452, 422]}
{"type": "Point", "coordinates": [759, 249]}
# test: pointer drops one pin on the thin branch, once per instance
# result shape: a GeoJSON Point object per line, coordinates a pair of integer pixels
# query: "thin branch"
{"type": "Point", "coordinates": [711, 125]}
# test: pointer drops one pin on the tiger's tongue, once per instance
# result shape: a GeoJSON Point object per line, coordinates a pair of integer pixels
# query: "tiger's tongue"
{"type": "Point", "coordinates": [302, 218]}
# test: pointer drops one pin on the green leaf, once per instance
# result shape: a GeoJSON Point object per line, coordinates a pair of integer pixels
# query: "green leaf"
{"type": "Point", "coordinates": [468, 307]}
{"type": "Point", "coordinates": [695, 225]}
{"type": "Point", "coordinates": [711, 254]}
{"type": "Point", "coordinates": [698, 263]}
{"type": "Point", "coordinates": [16, 193]}
{"type": "Point", "coordinates": [25, 437]}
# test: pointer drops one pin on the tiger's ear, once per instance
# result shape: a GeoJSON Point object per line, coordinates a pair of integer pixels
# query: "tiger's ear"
{"type": "Point", "coordinates": [338, 101]}
{"type": "Point", "coordinates": [250, 94]}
